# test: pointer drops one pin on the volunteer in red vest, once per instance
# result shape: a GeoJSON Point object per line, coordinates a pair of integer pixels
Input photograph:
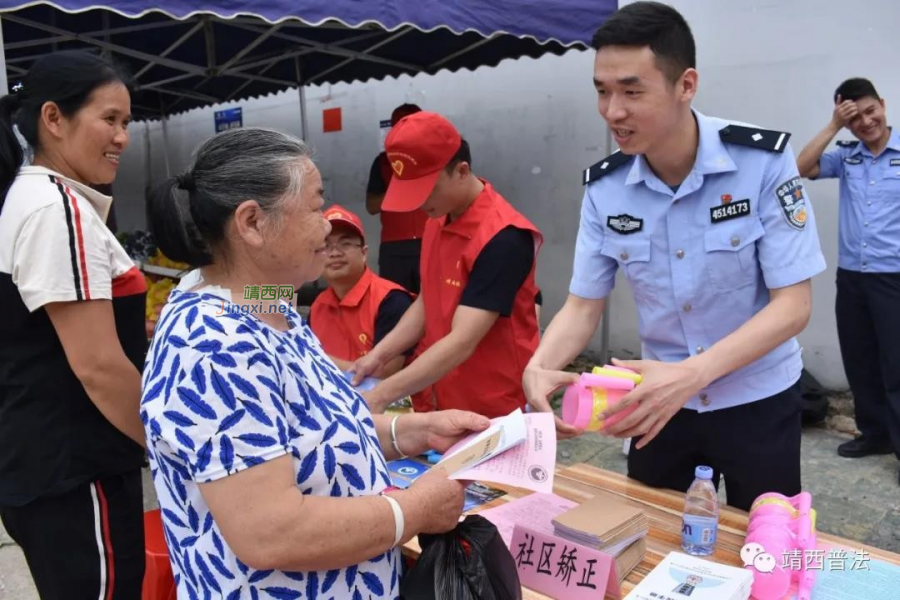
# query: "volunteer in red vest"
{"type": "Point", "coordinates": [475, 318]}
{"type": "Point", "coordinates": [359, 308]}
{"type": "Point", "coordinates": [401, 232]}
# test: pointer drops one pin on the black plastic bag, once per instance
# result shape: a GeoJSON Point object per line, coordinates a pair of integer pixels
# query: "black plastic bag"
{"type": "Point", "coordinates": [471, 562]}
{"type": "Point", "coordinates": [815, 399]}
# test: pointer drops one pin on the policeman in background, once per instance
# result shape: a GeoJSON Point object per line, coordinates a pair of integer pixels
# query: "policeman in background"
{"type": "Point", "coordinates": [358, 308]}
{"type": "Point", "coordinates": [713, 230]}
{"type": "Point", "coordinates": [476, 315]}
{"type": "Point", "coordinates": [868, 275]}
{"type": "Point", "coordinates": [401, 232]}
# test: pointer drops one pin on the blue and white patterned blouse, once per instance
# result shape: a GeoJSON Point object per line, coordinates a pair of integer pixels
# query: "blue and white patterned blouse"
{"type": "Point", "coordinates": [224, 392]}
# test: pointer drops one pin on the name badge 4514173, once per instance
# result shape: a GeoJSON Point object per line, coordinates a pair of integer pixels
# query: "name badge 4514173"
{"type": "Point", "coordinates": [732, 210]}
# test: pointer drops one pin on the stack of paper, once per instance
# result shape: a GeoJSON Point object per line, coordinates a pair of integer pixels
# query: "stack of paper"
{"type": "Point", "coordinates": [517, 450]}
{"type": "Point", "coordinates": [504, 433]}
{"type": "Point", "coordinates": [681, 577]}
{"type": "Point", "coordinates": [629, 558]}
{"type": "Point", "coordinates": [534, 511]}
{"type": "Point", "coordinates": [603, 523]}
{"type": "Point", "coordinates": [538, 511]}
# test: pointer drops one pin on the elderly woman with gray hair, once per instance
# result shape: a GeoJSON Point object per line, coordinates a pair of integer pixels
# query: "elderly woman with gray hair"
{"type": "Point", "coordinates": [270, 468]}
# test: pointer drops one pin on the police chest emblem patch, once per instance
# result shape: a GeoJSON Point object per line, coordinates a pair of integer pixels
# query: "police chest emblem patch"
{"type": "Point", "coordinates": [853, 161]}
{"type": "Point", "coordinates": [730, 210]}
{"type": "Point", "coordinates": [625, 224]}
{"type": "Point", "coordinates": [895, 162]}
{"type": "Point", "coordinates": [793, 202]}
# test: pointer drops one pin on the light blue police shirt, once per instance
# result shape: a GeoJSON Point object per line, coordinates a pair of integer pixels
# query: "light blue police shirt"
{"type": "Point", "coordinates": [701, 261]}
{"type": "Point", "coordinates": [869, 212]}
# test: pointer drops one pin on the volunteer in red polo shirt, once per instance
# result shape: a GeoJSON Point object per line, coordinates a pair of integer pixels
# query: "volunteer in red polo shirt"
{"type": "Point", "coordinates": [359, 308]}
{"type": "Point", "coordinates": [401, 232]}
{"type": "Point", "coordinates": [475, 318]}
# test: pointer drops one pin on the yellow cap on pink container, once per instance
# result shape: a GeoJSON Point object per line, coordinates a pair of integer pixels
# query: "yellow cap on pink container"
{"type": "Point", "coordinates": [584, 401]}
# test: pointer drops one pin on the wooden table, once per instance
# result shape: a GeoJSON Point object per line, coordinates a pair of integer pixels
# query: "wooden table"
{"type": "Point", "coordinates": [663, 509]}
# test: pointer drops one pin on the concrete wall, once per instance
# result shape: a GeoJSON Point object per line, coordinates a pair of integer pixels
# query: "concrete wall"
{"type": "Point", "coordinates": [533, 126]}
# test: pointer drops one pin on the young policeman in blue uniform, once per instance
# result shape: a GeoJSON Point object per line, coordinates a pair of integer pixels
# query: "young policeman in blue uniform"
{"type": "Point", "coordinates": [868, 275]}
{"type": "Point", "coordinates": [713, 229]}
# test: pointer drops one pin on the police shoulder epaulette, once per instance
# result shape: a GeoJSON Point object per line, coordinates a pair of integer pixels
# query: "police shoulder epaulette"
{"type": "Point", "coordinates": [847, 143]}
{"type": "Point", "coordinates": [764, 139]}
{"type": "Point", "coordinates": [607, 165]}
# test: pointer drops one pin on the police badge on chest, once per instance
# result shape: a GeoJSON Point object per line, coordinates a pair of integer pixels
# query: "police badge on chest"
{"type": "Point", "coordinates": [625, 224]}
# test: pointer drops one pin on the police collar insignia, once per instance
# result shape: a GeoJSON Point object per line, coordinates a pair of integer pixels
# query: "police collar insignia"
{"type": "Point", "coordinates": [625, 224]}
{"type": "Point", "coordinates": [793, 202]}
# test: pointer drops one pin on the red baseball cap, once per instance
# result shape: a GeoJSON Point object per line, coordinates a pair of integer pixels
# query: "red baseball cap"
{"type": "Point", "coordinates": [418, 147]}
{"type": "Point", "coordinates": [338, 214]}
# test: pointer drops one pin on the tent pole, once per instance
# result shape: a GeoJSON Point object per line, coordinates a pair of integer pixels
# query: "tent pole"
{"type": "Point", "coordinates": [165, 136]}
{"type": "Point", "coordinates": [301, 90]}
{"type": "Point", "coordinates": [148, 172]}
{"type": "Point", "coordinates": [4, 85]}
{"type": "Point", "coordinates": [148, 157]}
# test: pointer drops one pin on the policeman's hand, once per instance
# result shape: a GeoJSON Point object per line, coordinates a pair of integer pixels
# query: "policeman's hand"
{"type": "Point", "coordinates": [844, 112]}
{"type": "Point", "coordinates": [433, 503]}
{"type": "Point", "coordinates": [365, 366]}
{"type": "Point", "coordinates": [664, 390]}
{"type": "Point", "coordinates": [539, 384]}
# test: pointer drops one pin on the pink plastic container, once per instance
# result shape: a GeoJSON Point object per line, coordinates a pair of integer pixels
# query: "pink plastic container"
{"type": "Point", "coordinates": [584, 401]}
{"type": "Point", "coordinates": [782, 525]}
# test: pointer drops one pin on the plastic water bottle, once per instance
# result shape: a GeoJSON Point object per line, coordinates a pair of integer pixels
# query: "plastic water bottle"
{"type": "Point", "coordinates": [701, 515]}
